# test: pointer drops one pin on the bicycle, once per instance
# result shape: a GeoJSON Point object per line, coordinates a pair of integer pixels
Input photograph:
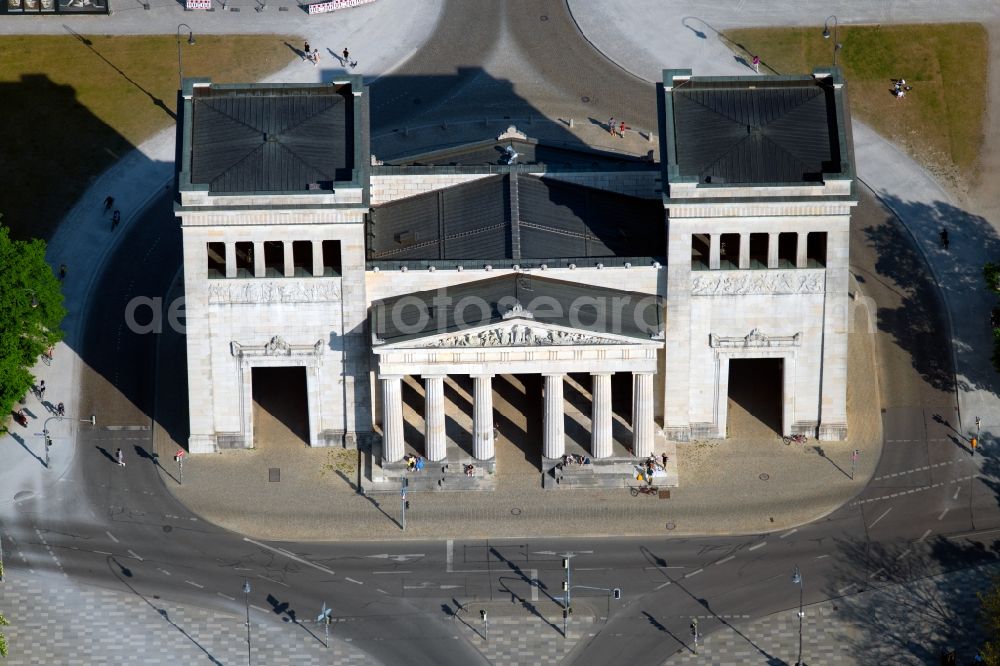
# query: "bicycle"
{"type": "Point", "coordinates": [797, 439]}
{"type": "Point", "coordinates": [644, 490]}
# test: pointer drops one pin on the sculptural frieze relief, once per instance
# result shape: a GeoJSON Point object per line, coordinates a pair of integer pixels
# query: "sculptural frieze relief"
{"type": "Point", "coordinates": [755, 338]}
{"type": "Point", "coordinates": [520, 335]}
{"type": "Point", "coordinates": [273, 291]}
{"type": "Point", "coordinates": [732, 283]}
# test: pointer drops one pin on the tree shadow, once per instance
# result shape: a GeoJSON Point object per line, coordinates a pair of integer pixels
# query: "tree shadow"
{"type": "Point", "coordinates": [20, 440]}
{"type": "Point", "coordinates": [904, 587]}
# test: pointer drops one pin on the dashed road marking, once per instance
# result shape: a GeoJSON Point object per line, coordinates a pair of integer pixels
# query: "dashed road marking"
{"type": "Point", "coordinates": [924, 536]}
{"type": "Point", "coordinates": [957, 491]}
{"type": "Point", "coordinates": [942, 514]}
{"type": "Point", "coordinates": [726, 559]}
{"type": "Point", "coordinates": [191, 582]}
{"type": "Point", "coordinates": [534, 584]}
{"type": "Point", "coordinates": [289, 555]}
{"type": "Point", "coordinates": [356, 582]}
{"type": "Point", "coordinates": [820, 557]}
{"type": "Point", "coordinates": [163, 571]}
{"type": "Point", "coordinates": [381, 590]}
{"type": "Point", "coordinates": [449, 554]}
{"type": "Point", "coordinates": [226, 596]}
{"type": "Point", "coordinates": [845, 589]}
{"type": "Point", "coordinates": [663, 585]}
{"type": "Point", "coordinates": [903, 554]}
{"type": "Point", "coordinates": [693, 573]}
{"type": "Point", "coordinates": [789, 533]}
{"type": "Point", "coordinates": [134, 554]}
{"type": "Point", "coordinates": [759, 544]}
{"type": "Point", "coordinates": [113, 537]}
{"type": "Point", "coordinates": [102, 552]}
{"type": "Point", "coordinates": [391, 572]}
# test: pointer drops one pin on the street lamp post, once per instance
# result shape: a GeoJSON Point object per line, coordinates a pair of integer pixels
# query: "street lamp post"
{"type": "Point", "coordinates": [190, 41]}
{"type": "Point", "coordinates": [48, 440]}
{"type": "Point", "coordinates": [246, 600]}
{"type": "Point", "coordinates": [826, 35]}
{"type": "Point", "coordinates": [567, 605]}
{"type": "Point", "coordinates": [797, 579]}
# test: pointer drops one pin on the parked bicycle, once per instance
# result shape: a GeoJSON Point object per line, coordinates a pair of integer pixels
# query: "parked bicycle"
{"type": "Point", "coordinates": [644, 490]}
{"type": "Point", "coordinates": [794, 439]}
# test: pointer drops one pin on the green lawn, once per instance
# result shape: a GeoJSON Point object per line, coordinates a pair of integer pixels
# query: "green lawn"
{"type": "Point", "coordinates": [940, 122]}
{"type": "Point", "coordinates": [72, 105]}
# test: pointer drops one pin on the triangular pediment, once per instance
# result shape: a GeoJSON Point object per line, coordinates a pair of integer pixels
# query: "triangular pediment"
{"type": "Point", "coordinates": [516, 332]}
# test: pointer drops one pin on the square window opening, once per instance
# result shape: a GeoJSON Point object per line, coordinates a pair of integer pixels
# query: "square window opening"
{"type": "Point", "coordinates": [244, 260]}
{"type": "Point", "coordinates": [274, 259]}
{"type": "Point", "coordinates": [216, 261]}
{"type": "Point", "coordinates": [302, 258]}
{"type": "Point", "coordinates": [816, 249]}
{"type": "Point", "coordinates": [331, 258]}
{"type": "Point", "coordinates": [788, 243]}
{"type": "Point", "coordinates": [700, 248]}
{"type": "Point", "coordinates": [729, 251]}
{"type": "Point", "coordinates": [758, 250]}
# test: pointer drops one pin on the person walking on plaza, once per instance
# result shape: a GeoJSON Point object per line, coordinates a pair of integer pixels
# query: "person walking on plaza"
{"type": "Point", "coordinates": [120, 457]}
{"type": "Point", "coordinates": [61, 409]}
{"type": "Point", "coordinates": [108, 203]}
{"type": "Point", "coordinates": [41, 390]}
{"type": "Point", "coordinates": [621, 129]}
{"type": "Point", "coordinates": [347, 56]}
{"type": "Point", "coordinates": [115, 219]}
{"type": "Point", "coordinates": [611, 125]}
{"type": "Point", "coordinates": [315, 57]}
{"type": "Point", "coordinates": [62, 271]}
{"type": "Point", "coordinates": [756, 64]}
{"type": "Point", "coordinates": [306, 51]}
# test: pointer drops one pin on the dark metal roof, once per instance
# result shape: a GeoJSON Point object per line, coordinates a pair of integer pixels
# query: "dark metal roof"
{"type": "Point", "coordinates": [271, 140]}
{"type": "Point", "coordinates": [529, 152]}
{"type": "Point", "coordinates": [751, 130]}
{"type": "Point", "coordinates": [547, 301]}
{"type": "Point", "coordinates": [517, 217]}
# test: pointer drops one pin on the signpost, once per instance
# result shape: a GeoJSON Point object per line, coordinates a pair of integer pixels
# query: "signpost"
{"type": "Point", "coordinates": [402, 494]}
{"type": "Point", "coordinates": [324, 617]}
{"type": "Point", "coordinates": [694, 632]}
{"type": "Point", "coordinates": [179, 457]}
{"type": "Point", "coordinates": [854, 462]}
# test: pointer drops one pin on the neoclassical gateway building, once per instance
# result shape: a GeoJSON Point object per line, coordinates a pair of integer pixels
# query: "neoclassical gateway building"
{"type": "Point", "coordinates": [578, 299]}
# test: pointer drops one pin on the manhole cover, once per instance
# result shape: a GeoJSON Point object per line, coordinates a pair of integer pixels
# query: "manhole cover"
{"type": "Point", "coordinates": [515, 511]}
{"type": "Point", "coordinates": [543, 18]}
{"type": "Point", "coordinates": [23, 495]}
{"type": "Point", "coordinates": [585, 99]}
{"type": "Point", "coordinates": [274, 474]}
{"type": "Point", "coordinates": [168, 528]}
{"type": "Point", "coordinates": [664, 494]}
{"type": "Point", "coordinates": [764, 477]}
{"type": "Point", "coordinates": [671, 526]}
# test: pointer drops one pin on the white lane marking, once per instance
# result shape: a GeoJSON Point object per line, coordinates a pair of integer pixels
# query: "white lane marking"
{"type": "Point", "coordinates": [449, 554]}
{"type": "Point", "coordinates": [381, 590]}
{"type": "Point", "coordinates": [102, 552]}
{"type": "Point", "coordinates": [789, 533]}
{"type": "Point", "coordinates": [134, 554]}
{"type": "Point", "coordinates": [273, 580]}
{"type": "Point", "coordinates": [903, 554]}
{"type": "Point", "coordinates": [191, 582]}
{"type": "Point", "coordinates": [923, 536]}
{"type": "Point", "coordinates": [289, 555]}
{"type": "Point", "coordinates": [256, 607]}
{"type": "Point", "coordinates": [693, 573]}
{"type": "Point", "coordinates": [675, 566]}
{"type": "Point", "coordinates": [957, 491]}
{"type": "Point", "coordinates": [760, 544]}
{"type": "Point", "coordinates": [886, 513]}
{"type": "Point", "coordinates": [663, 585]}
{"type": "Point", "coordinates": [942, 514]}
{"type": "Point", "coordinates": [875, 573]}
{"type": "Point", "coordinates": [391, 572]}
{"type": "Point", "coordinates": [726, 559]}
{"type": "Point", "coordinates": [845, 589]}
{"type": "Point", "coordinates": [226, 596]}
{"type": "Point", "coordinates": [820, 557]}
{"type": "Point", "coordinates": [357, 582]}
{"type": "Point", "coordinates": [163, 571]}
{"type": "Point", "coordinates": [534, 584]}
{"type": "Point", "coordinates": [113, 537]}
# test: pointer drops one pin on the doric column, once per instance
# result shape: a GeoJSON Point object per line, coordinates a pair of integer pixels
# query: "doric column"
{"type": "Point", "coordinates": [434, 438]}
{"type": "Point", "coordinates": [600, 435]}
{"type": "Point", "coordinates": [482, 417]}
{"type": "Point", "coordinates": [392, 418]}
{"type": "Point", "coordinates": [772, 249]}
{"type": "Point", "coordinates": [554, 441]}
{"type": "Point", "coordinates": [744, 251]}
{"type": "Point", "coordinates": [801, 249]}
{"type": "Point", "coordinates": [259, 269]}
{"type": "Point", "coordinates": [714, 252]}
{"type": "Point", "coordinates": [289, 258]}
{"type": "Point", "coordinates": [230, 260]}
{"type": "Point", "coordinates": [642, 414]}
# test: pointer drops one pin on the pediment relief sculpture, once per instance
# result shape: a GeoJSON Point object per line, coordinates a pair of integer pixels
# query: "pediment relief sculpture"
{"type": "Point", "coordinates": [521, 335]}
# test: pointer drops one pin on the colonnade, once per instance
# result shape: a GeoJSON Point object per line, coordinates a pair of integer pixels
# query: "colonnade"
{"type": "Point", "coordinates": [554, 434]}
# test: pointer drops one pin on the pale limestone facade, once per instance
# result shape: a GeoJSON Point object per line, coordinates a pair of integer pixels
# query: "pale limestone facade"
{"type": "Point", "coordinates": [793, 310]}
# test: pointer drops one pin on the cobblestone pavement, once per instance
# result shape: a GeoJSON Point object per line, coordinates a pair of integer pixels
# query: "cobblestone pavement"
{"type": "Point", "coordinates": [51, 618]}
{"type": "Point", "coordinates": [881, 626]}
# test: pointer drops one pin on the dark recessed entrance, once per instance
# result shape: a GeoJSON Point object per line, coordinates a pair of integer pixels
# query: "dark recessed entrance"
{"type": "Point", "coordinates": [755, 397]}
{"type": "Point", "coordinates": [518, 416]}
{"type": "Point", "coordinates": [280, 407]}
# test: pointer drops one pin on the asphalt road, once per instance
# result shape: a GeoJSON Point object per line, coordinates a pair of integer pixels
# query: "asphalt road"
{"type": "Point", "coordinates": [119, 527]}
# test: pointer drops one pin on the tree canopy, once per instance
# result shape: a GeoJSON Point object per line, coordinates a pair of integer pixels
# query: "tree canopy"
{"type": "Point", "coordinates": [31, 310]}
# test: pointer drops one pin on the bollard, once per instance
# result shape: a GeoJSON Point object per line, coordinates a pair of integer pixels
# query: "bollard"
{"type": "Point", "coordinates": [571, 122]}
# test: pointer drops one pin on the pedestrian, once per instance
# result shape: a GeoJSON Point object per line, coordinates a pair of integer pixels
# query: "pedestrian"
{"type": "Point", "coordinates": [611, 125]}
{"type": "Point", "coordinates": [944, 242]}
{"type": "Point", "coordinates": [756, 64]}
{"type": "Point", "coordinates": [41, 390]}
{"type": "Point", "coordinates": [347, 56]}
{"type": "Point", "coordinates": [61, 409]}
{"type": "Point", "coordinates": [62, 271]}
{"type": "Point", "coordinates": [315, 57]}
{"type": "Point", "coordinates": [665, 459]}
{"type": "Point", "coordinates": [621, 130]}
{"type": "Point", "coordinates": [108, 203]}
{"type": "Point", "coordinates": [50, 352]}
{"type": "Point", "coordinates": [115, 219]}
{"type": "Point", "coordinates": [306, 51]}
{"type": "Point", "coordinates": [120, 457]}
